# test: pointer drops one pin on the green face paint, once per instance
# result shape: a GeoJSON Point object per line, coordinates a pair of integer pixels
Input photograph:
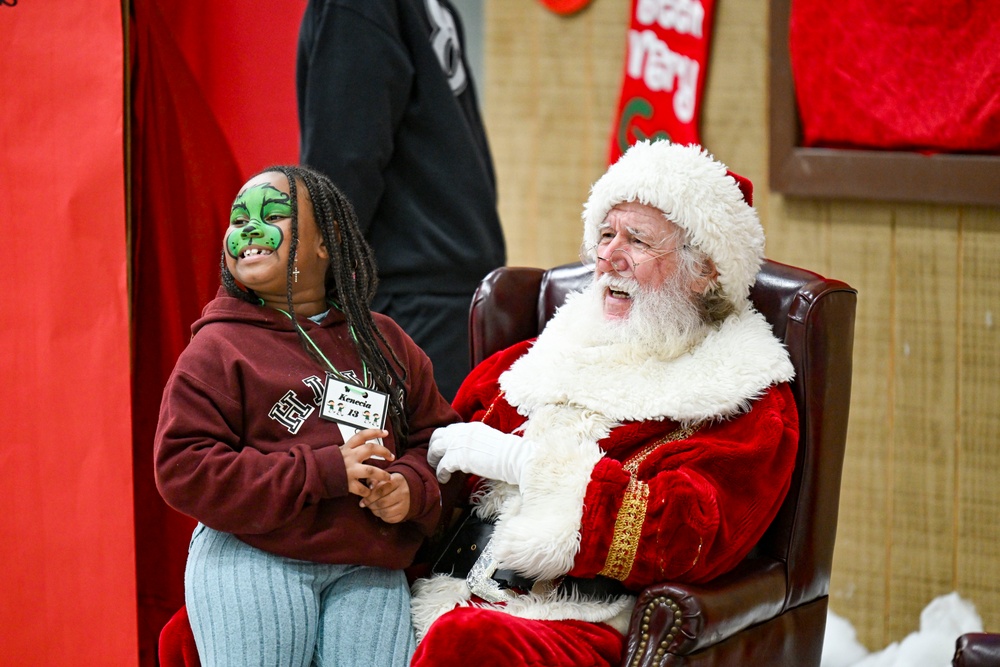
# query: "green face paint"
{"type": "Point", "coordinates": [250, 222]}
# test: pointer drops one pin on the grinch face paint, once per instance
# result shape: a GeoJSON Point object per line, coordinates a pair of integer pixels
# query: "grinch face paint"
{"type": "Point", "coordinates": [250, 223]}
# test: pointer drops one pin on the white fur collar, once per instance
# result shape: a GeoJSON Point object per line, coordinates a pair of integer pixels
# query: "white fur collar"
{"type": "Point", "coordinates": [720, 377]}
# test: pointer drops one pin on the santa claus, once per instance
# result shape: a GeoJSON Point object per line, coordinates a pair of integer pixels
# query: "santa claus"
{"type": "Point", "coordinates": [648, 434]}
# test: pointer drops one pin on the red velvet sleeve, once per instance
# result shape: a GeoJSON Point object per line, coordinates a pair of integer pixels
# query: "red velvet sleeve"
{"type": "Point", "coordinates": [695, 506]}
{"type": "Point", "coordinates": [481, 389]}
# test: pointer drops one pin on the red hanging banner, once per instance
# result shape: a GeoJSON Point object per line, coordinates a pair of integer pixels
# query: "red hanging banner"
{"type": "Point", "coordinates": [665, 65]}
{"type": "Point", "coordinates": [565, 6]}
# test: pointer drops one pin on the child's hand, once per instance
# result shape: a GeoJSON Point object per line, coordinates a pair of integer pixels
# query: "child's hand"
{"type": "Point", "coordinates": [389, 501]}
{"type": "Point", "coordinates": [356, 451]}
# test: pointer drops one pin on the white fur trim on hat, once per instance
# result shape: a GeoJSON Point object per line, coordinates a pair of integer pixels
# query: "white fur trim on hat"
{"type": "Point", "coordinates": [695, 192]}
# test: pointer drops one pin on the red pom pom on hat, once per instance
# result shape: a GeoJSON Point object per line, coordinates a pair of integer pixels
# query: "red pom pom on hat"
{"type": "Point", "coordinates": [745, 186]}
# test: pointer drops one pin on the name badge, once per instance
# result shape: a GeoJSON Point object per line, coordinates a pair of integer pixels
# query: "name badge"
{"type": "Point", "coordinates": [352, 405]}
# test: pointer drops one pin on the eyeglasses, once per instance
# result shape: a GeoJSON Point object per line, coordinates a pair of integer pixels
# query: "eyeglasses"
{"type": "Point", "coordinates": [621, 260]}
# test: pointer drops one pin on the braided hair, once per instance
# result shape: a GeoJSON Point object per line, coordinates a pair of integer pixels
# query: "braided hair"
{"type": "Point", "coordinates": [351, 280]}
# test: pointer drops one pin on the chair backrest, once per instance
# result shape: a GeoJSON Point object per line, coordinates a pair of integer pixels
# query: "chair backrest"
{"type": "Point", "coordinates": [813, 315]}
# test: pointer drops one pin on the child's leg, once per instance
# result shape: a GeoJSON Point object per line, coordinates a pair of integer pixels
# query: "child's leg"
{"type": "Point", "coordinates": [248, 607]}
{"type": "Point", "coordinates": [365, 620]}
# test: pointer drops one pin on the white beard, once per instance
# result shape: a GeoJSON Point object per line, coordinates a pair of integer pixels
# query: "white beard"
{"type": "Point", "coordinates": [664, 322]}
{"type": "Point", "coordinates": [658, 362]}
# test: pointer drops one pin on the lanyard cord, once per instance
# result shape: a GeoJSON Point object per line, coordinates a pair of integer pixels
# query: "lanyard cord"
{"type": "Point", "coordinates": [333, 369]}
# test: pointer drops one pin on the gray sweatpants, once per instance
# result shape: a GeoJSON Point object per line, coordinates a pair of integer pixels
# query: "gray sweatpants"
{"type": "Point", "coordinates": [248, 607]}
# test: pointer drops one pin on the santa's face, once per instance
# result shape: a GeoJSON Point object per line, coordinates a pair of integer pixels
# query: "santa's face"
{"type": "Point", "coordinates": [638, 243]}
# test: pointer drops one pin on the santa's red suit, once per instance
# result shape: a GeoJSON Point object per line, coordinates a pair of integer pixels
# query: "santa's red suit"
{"type": "Point", "coordinates": [648, 468]}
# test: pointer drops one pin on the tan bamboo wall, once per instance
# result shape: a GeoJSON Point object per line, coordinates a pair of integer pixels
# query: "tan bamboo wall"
{"type": "Point", "coordinates": [920, 507]}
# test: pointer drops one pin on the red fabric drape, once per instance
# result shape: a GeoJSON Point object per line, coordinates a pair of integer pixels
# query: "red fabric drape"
{"type": "Point", "coordinates": [898, 74]}
{"type": "Point", "coordinates": [67, 585]}
{"type": "Point", "coordinates": [213, 100]}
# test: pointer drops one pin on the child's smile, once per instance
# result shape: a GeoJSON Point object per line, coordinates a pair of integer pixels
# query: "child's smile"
{"type": "Point", "coordinates": [254, 251]}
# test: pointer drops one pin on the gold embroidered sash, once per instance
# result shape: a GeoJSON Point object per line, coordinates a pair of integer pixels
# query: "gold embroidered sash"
{"type": "Point", "coordinates": [632, 513]}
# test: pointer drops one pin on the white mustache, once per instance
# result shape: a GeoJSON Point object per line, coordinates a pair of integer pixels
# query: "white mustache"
{"type": "Point", "coordinates": [616, 282]}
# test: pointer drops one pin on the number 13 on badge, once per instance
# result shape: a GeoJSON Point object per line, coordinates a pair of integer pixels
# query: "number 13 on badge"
{"type": "Point", "coordinates": [354, 408]}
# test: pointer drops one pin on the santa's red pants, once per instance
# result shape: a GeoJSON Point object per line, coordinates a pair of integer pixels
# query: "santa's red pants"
{"type": "Point", "coordinates": [487, 638]}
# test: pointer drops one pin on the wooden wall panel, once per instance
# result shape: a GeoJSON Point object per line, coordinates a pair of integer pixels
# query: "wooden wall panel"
{"type": "Point", "coordinates": [978, 456]}
{"type": "Point", "coordinates": [734, 111]}
{"type": "Point", "coordinates": [798, 232]}
{"type": "Point", "coordinates": [551, 91]}
{"type": "Point", "coordinates": [922, 462]}
{"type": "Point", "coordinates": [861, 244]}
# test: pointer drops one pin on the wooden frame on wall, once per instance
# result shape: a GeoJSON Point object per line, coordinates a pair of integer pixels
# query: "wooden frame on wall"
{"type": "Point", "coordinates": [861, 174]}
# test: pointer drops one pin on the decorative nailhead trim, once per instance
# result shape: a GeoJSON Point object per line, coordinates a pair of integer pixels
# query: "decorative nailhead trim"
{"type": "Point", "coordinates": [647, 614]}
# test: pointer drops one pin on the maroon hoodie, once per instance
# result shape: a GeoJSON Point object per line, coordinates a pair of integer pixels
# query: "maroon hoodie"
{"type": "Point", "coordinates": [240, 445]}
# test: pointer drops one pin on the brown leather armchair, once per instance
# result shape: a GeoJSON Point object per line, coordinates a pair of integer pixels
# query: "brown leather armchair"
{"type": "Point", "coordinates": [977, 649]}
{"type": "Point", "coordinates": [770, 610]}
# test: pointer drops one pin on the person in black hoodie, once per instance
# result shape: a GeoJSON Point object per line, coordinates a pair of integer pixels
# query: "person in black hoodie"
{"type": "Point", "coordinates": [388, 110]}
{"type": "Point", "coordinates": [294, 428]}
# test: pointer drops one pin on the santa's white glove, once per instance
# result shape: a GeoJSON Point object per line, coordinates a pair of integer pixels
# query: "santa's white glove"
{"type": "Point", "coordinates": [480, 450]}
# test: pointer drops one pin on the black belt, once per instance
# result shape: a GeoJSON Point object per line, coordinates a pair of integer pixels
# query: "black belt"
{"type": "Point", "coordinates": [598, 587]}
{"type": "Point", "coordinates": [470, 539]}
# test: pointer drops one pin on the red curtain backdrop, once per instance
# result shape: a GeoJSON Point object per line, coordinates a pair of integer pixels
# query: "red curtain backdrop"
{"type": "Point", "coordinates": [67, 558]}
{"type": "Point", "coordinates": [899, 74]}
{"type": "Point", "coordinates": [213, 101]}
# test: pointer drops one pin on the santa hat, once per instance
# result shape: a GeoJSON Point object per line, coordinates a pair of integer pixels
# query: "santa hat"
{"type": "Point", "coordinates": [695, 192]}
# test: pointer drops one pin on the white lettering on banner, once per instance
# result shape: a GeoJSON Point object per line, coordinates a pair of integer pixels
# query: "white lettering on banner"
{"type": "Point", "coordinates": [650, 59]}
{"type": "Point", "coordinates": [685, 16]}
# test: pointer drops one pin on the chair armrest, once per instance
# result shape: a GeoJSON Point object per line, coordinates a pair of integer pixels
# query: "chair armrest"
{"type": "Point", "coordinates": [680, 619]}
{"type": "Point", "coordinates": [977, 649]}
